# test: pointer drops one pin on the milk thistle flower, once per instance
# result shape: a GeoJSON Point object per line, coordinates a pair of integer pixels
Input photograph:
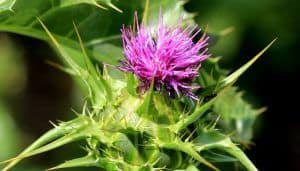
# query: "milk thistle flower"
{"type": "Point", "coordinates": [166, 56]}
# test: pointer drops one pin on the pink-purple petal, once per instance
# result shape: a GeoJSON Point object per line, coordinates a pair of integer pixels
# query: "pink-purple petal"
{"type": "Point", "coordinates": [168, 56]}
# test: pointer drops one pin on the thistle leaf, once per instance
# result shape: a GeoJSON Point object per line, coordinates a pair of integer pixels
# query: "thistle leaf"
{"type": "Point", "coordinates": [56, 132]}
{"type": "Point", "coordinates": [210, 72]}
{"type": "Point", "coordinates": [87, 75]}
{"type": "Point", "coordinates": [213, 89]}
{"type": "Point", "coordinates": [87, 161]}
{"type": "Point", "coordinates": [129, 151]}
{"type": "Point", "coordinates": [235, 75]}
{"type": "Point", "coordinates": [238, 116]}
{"type": "Point", "coordinates": [90, 68]}
{"type": "Point", "coordinates": [172, 11]}
{"type": "Point", "coordinates": [187, 148]}
{"type": "Point", "coordinates": [197, 113]}
{"type": "Point", "coordinates": [215, 140]}
{"type": "Point", "coordinates": [200, 109]}
{"type": "Point", "coordinates": [132, 84]}
{"type": "Point", "coordinates": [218, 157]}
{"type": "Point", "coordinates": [147, 108]}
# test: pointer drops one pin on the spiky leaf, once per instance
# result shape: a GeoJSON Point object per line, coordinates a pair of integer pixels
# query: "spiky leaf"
{"type": "Point", "coordinates": [238, 116]}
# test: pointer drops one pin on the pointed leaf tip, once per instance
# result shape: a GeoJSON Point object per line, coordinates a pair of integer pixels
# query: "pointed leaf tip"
{"type": "Point", "coordinates": [85, 161]}
{"type": "Point", "coordinates": [115, 7]}
{"type": "Point", "coordinates": [100, 6]}
{"type": "Point", "coordinates": [7, 5]}
{"type": "Point", "coordinates": [235, 75]}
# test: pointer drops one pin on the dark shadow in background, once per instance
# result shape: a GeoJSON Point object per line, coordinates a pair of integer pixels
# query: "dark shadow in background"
{"type": "Point", "coordinates": [274, 79]}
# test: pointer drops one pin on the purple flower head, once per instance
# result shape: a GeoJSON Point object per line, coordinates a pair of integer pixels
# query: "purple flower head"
{"type": "Point", "coordinates": [166, 56]}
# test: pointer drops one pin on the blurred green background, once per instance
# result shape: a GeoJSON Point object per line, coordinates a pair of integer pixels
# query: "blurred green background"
{"type": "Point", "coordinates": [32, 92]}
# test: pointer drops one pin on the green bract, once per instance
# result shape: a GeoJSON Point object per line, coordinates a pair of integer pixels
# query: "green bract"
{"type": "Point", "coordinates": [122, 129]}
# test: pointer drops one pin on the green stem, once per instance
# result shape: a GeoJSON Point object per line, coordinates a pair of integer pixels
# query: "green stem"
{"type": "Point", "coordinates": [239, 154]}
{"type": "Point", "coordinates": [193, 117]}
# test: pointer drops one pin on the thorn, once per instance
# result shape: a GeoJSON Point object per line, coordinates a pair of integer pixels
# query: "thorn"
{"type": "Point", "coordinates": [216, 121]}
{"type": "Point", "coordinates": [153, 163]}
{"type": "Point", "coordinates": [75, 112]}
{"type": "Point", "coordinates": [231, 134]}
{"type": "Point", "coordinates": [53, 124]}
{"type": "Point", "coordinates": [183, 134]}
{"type": "Point", "coordinates": [52, 168]}
{"type": "Point", "coordinates": [139, 123]}
{"type": "Point", "coordinates": [190, 136]}
{"type": "Point", "coordinates": [261, 110]}
{"type": "Point", "coordinates": [100, 6]}
{"type": "Point", "coordinates": [84, 108]}
{"type": "Point", "coordinates": [115, 8]}
{"type": "Point", "coordinates": [89, 113]}
{"type": "Point", "coordinates": [60, 121]}
{"type": "Point", "coordinates": [60, 67]}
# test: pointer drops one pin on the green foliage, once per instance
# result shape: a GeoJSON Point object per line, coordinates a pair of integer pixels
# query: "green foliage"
{"type": "Point", "coordinates": [124, 130]}
{"type": "Point", "coordinates": [99, 28]}
{"type": "Point", "coordinates": [238, 116]}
